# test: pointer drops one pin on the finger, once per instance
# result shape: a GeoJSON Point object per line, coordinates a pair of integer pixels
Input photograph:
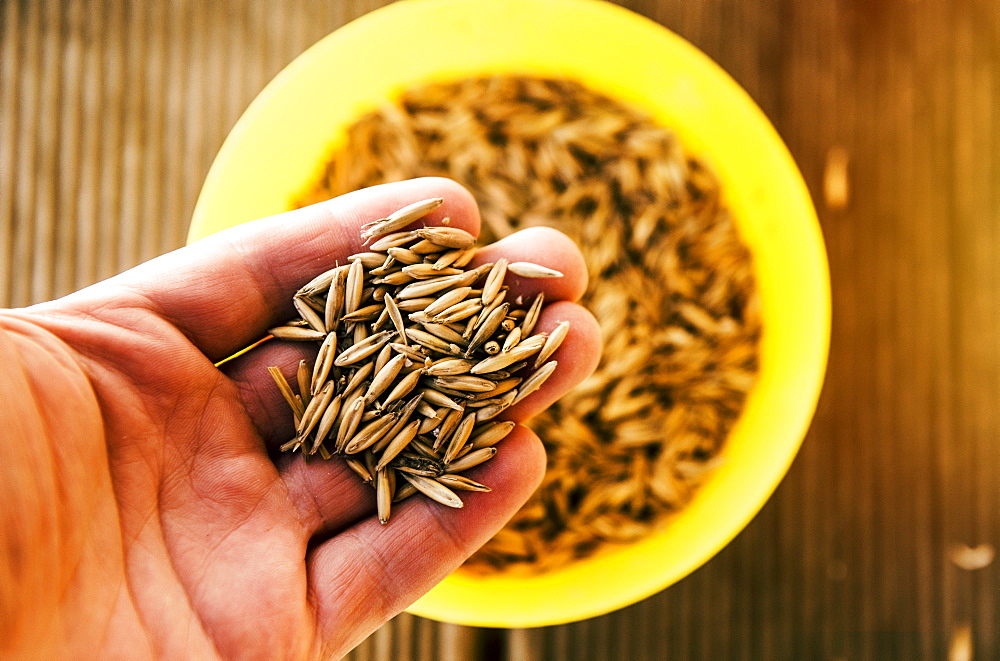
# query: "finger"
{"type": "Point", "coordinates": [370, 572]}
{"type": "Point", "coordinates": [224, 291]}
{"type": "Point", "coordinates": [328, 495]}
{"type": "Point", "coordinates": [545, 246]}
{"type": "Point", "coordinates": [577, 356]}
{"type": "Point", "coordinates": [260, 396]}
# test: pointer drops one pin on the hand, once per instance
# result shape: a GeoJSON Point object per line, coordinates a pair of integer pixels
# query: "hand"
{"type": "Point", "coordinates": [145, 509]}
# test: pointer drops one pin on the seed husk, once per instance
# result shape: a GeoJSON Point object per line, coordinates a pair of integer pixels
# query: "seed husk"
{"type": "Point", "coordinates": [499, 388]}
{"type": "Point", "coordinates": [447, 237]}
{"type": "Point", "coordinates": [494, 281]}
{"type": "Point", "coordinates": [384, 377]}
{"type": "Point", "coordinates": [458, 312]}
{"type": "Point", "coordinates": [366, 313]}
{"type": "Point", "coordinates": [314, 411]}
{"type": "Point", "coordinates": [385, 354]}
{"type": "Point", "coordinates": [370, 260]}
{"type": "Point", "coordinates": [335, 298]}
{"type": "Point", "coordinates": [535, 381]}
{"type": "Point", "coordinates": [426, 271]}
{"type": "Point", "coordinates": [324, 361]}
{"type": "Point", "coordinates": [434, 490]}
{"type": "Point", "coordinates": [413, 353]}
{"type": "Point", "coordinates": [350, 423]}
{"type": "Point", "coordinates": [424, 449]}
{"type": "Point", "coordinates": [531, 270]}
{"type": "Point", "coordinates": [552, 343]}
{"type": "Point", "coordinates": [414, 304]}
{"type": "Point", "coordinates": [471, 460]}
{"type": "Point", "coordinates": [354, 287]}
{"type": "Point", "coordinates": [403, 388]}
{"type": "Point", "coordinates": [488, 327]}
{"type": "Point", "coordinates": [404, 491]}
{"type": "Point", "coordinates": [405, 256]}
{"type": "Point", "coordinates": [531, 318]}
{"type": "Point", "coordinates": [395, 278]}
{"type": "Point", "coordinates": [450, 367]}
{"type": "Point", "coordinates": [318, 284]}
{"type": "Point", "coordinates": [292, 445]}
{"type": "Point", "coordinates": [361, 350]}
{"type": "Point", "coordinates": [416, 465]}
{"type": "Point", "coordinates": [398, 444]}
{"type": "Point", "coordinates": [370, 434]}
{"type": "Point", "coordinates": [359, 468]}
{"type": "Point", "coordinates": [304, 376]}
{"type": "Point", "coordinates": [383, 495]}
{"type": "Point", "coordinates": [326, 422]}
{"type": "Point", "coordinates": [436, 398]}
{"type": "Point", "coordinates": [459, 437]}
{"type": "Point", "coordinates": [447, 300]}
{"type": "Point", "coordinates": [490, 410]}
{"type": "Point", "coordinates": [465, 382]}
{"type": "Point", "coordinates": [453, 481]}
{"type": "Point", "coordinates": [492, 433]}
{"type": "Point", "coordinates": [430, 423]}
{"type": "Point", "coordinates": [428, 340]}
{"type": "Point", "coordinates": [448, 425]}
{"type": "Point", "coordinates": [400, 219]}
{"type": "Point", "coordinates": [523, 350]}
{"type": "Point", "coordinates": [445, 333]}
{"type": "Point", "coordinates": [295, 333]}
{"type": "Point", "coordinates": [422, 288]}
{"type": "Point", "coordinates": [359, 377]}
{"type": "Point", "coordinates": [286, 391]}
{"type": "Point", "coordinates": [404, 416]}
{"type": "Point", "coordinates": [449, 258]}
{"type": "Point", "coordinates": [513, 337]}
{"type": "Point", "coordinates": [392, 240]}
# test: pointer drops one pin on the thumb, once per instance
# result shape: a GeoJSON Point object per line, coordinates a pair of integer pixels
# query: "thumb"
{"type": "Point", "coordinates": [223, 292]}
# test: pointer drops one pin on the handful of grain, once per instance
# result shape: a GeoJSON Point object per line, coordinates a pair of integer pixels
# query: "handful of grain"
{"type": "Point", "coordinates": [417, 358]}
{"type": "Point", "coordinates": [671, 284]}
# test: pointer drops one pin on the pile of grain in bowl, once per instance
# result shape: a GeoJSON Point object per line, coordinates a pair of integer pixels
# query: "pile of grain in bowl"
{"type": "Point", "coordinates": [671, 285]}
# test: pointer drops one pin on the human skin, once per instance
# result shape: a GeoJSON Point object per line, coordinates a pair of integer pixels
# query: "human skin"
{"type": "Point", "coordinates": [146, 511]}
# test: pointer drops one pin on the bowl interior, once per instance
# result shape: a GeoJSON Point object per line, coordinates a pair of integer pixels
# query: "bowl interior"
{"type": "Point", "coordinates": [281, 142]}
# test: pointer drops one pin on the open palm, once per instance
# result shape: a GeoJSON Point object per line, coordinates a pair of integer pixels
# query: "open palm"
{"type": "Point", "coordinates": [145, 510]}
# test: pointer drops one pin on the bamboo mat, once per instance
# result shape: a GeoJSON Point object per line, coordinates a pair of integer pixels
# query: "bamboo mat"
{"type": "Point", "coordinates": [110, 115]}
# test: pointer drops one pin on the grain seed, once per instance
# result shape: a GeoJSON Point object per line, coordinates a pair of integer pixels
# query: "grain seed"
{"type": "Point", "coordinates": [552, 343]}
{"type": "Point", "coordinates": [459, 437]}
{"type": "Point", "coordinates": [434, 490]}
{"type": "Point", "coordinates": [398, 444]}
{"type": "Point", "coordinates": [361, 350]}
{"type": "Point", "coordinates": [383, 495]}
{"type": "Point", "coordinates": [286, 390]}
{"type": "Point", "coordinates": [491, 434]}
{"type": "Point", "coordinates": [535, 381]}
{"type": "Point", "coordinates": [530, 270]}
{"type": "Point", "coordinates": [295, 333]}
{"type": "Point", "coordinates": [400, 219]}
{"type": "Point", "coordinates": [474, 458]}
{"type": "Point", "coordinates": [447, 237]}
{"type": "Point", "coordinates": [461, 482]}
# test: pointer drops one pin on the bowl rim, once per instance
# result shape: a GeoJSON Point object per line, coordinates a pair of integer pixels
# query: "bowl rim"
{"type": "Point", "coordinates": [546, 602]}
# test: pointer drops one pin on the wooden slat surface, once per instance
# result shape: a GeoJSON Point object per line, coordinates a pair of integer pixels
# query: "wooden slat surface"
{"type": "Point", "coordinates": [111, 112]}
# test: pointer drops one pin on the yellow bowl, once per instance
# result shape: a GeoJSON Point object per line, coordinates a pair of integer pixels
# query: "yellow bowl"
{"type": "Point", "coordinates": [281, 141]}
